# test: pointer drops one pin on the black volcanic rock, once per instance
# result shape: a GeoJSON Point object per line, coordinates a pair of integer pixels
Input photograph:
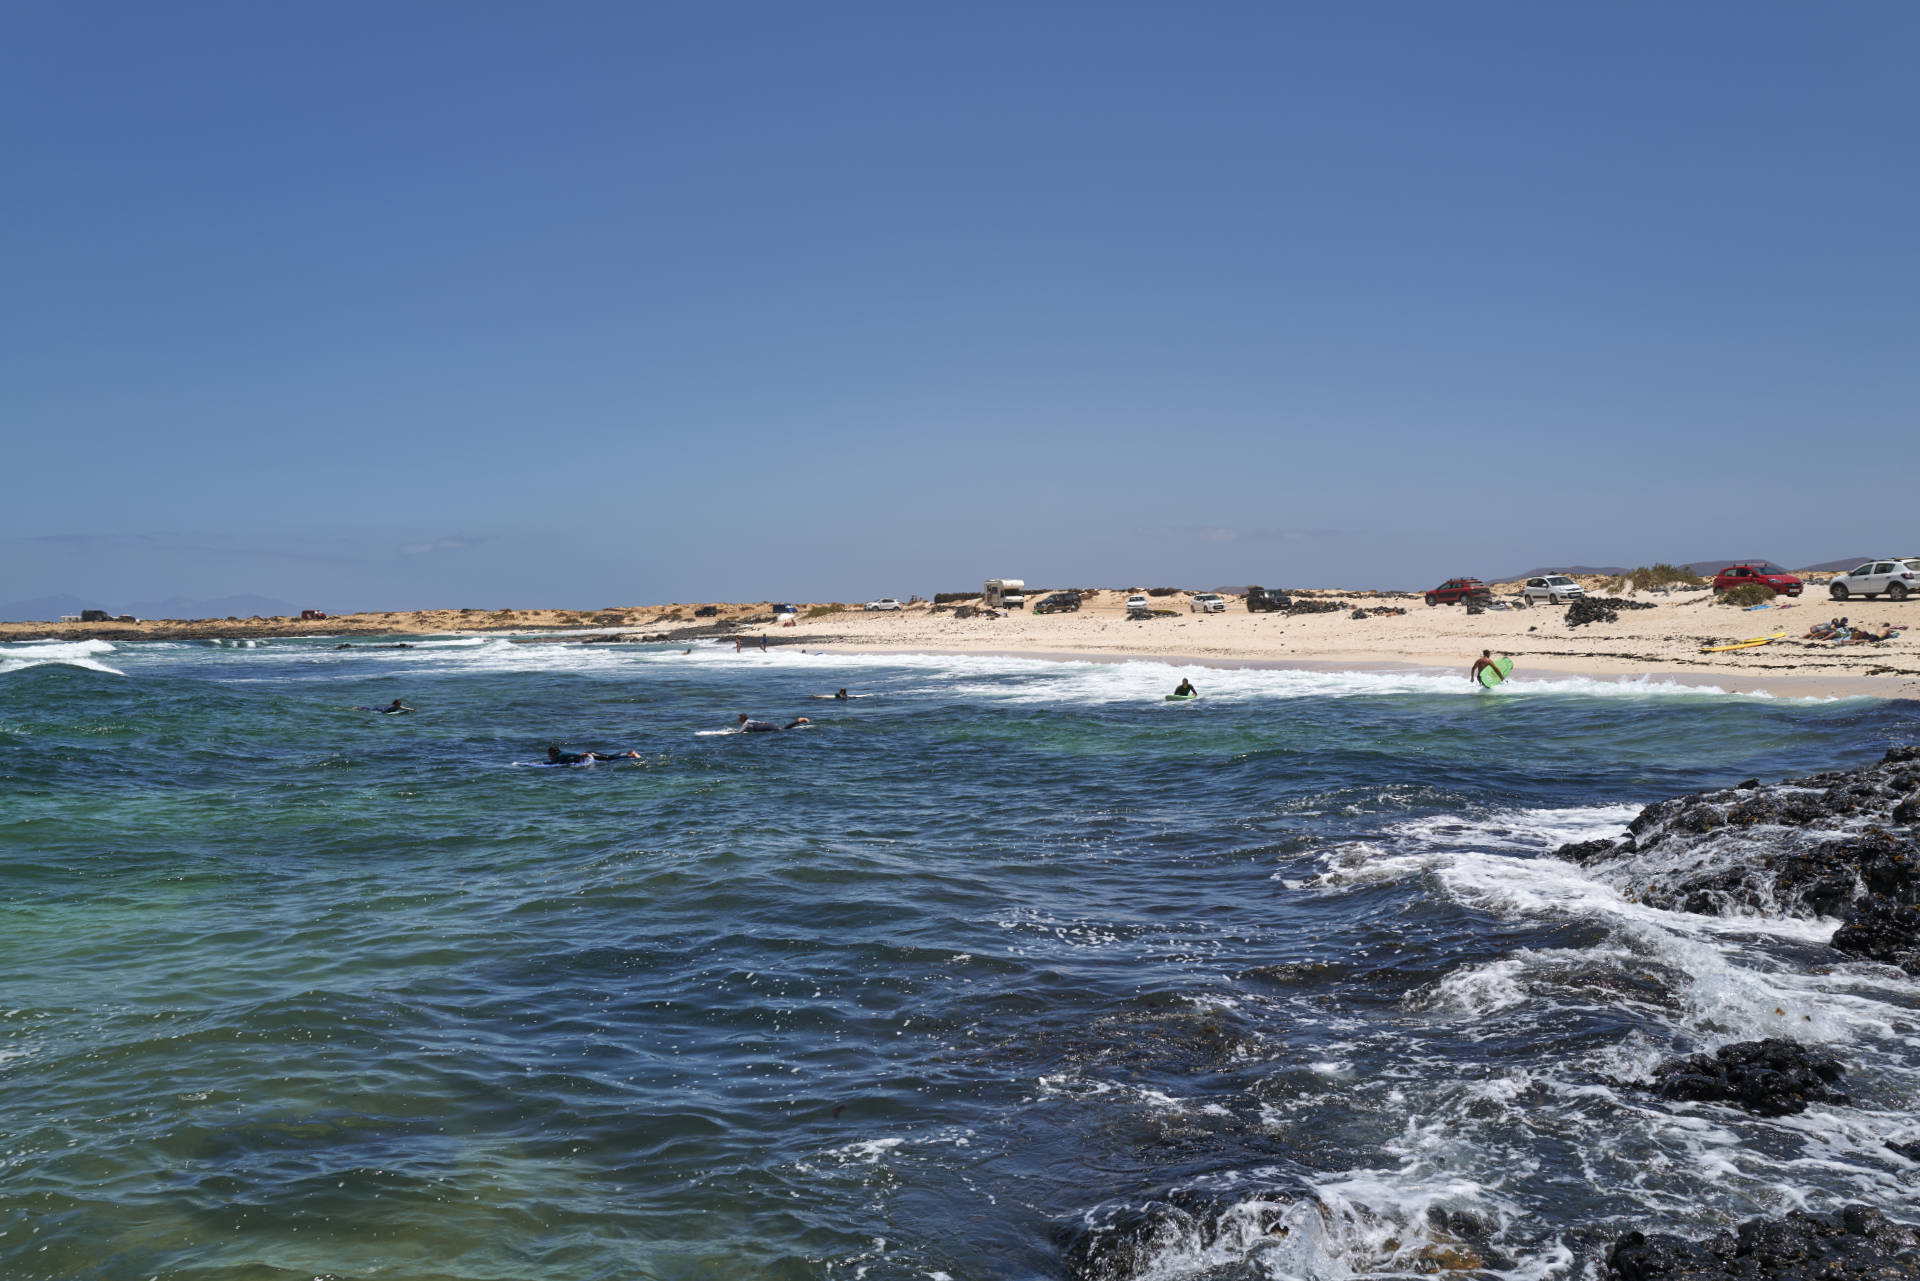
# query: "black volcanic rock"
{"type": "Point", "coordinates": [1857, 1242]}
{"type": "Point", "coordinates": [1883, 932]}
{"type": "Point", "coordinates": [1585, 852]}
{"type": "Point", "coordinates": [1841, 843]}
{"type": "Point", "coordinates": [1122, 1242]}
{"type": "Point", "coordinates": [1773, 1077]}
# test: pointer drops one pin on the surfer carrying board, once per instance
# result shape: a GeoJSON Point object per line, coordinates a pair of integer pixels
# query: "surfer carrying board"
{"type": "Point", "coordinates": [1488, 670]}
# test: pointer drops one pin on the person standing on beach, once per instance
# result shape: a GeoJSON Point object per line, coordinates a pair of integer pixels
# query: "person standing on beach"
{"type": "Point", "coordinates": [1480, 664]}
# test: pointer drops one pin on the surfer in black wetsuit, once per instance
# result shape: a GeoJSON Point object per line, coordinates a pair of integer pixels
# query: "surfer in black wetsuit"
{"type": "Point", "coordinates": [557, 757]}
{"type": "Point", "coordinates": [1186, 689]}
{"type": "Point", "coordinates": [750, 726]}
{"type": "Point", "coordinates": [396, 706]}
{"type": "Point", "coordinates": [843, 696]}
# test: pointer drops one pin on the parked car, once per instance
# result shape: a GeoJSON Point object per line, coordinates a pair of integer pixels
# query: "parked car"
{"type": "Point", "coordinates": [310, 615]}
{"type": "Point", "coordinates": [1267, 600]}
{"type": "Point", "coordinates": [1898, 577]}
{"type": "Point", "coordinates": [1208, 603]}
{"type": "Point", "coordinates": [1758, 571]}
{"type": "Point", "coordinates": [786, 609]}
{"type": "Point", "coordinates": [1456, 590]}
{"type": "Point", "coordinates": [884, 603]}
{"type": "Point", "coordinates": [1552, 588]}
{"type": "Point", "coordinates": [1138, 604]}
{"type": "Point", "coordinates": [1058, 603]}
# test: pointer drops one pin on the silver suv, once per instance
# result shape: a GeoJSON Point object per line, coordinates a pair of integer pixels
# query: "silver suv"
{"type": "Point", "coordinates": [1552, 588]}
{"type": "Point", "coordinates": [1897, 577]}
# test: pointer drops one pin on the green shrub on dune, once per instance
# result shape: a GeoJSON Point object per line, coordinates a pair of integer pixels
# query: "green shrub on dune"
{"type": "Point", "coordinates": [1747, 595]}
{"type": "Point", "coordinates": [1648, 577]}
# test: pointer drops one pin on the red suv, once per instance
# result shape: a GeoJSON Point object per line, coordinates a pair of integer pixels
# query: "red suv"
{"type": "Point", "coordinates": [1758, 571]}
{"type": "Point", "coordinates": [1455, 590]}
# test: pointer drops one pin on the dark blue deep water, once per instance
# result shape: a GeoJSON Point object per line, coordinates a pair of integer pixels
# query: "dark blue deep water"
{"type": "Point", "coordinates": [967, 980]}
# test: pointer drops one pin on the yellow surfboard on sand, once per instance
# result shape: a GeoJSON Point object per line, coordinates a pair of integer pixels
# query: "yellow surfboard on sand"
{"type": "Point", "coordinates": [1745, 644]}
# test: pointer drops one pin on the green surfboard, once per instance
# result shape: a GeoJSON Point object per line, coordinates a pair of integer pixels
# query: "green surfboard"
{"type": "Point", "coordinates": [1491, 676]}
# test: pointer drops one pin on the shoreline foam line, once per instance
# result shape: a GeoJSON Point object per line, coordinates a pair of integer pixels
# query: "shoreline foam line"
{"type": "Point", "coordinates": [1719, 682]}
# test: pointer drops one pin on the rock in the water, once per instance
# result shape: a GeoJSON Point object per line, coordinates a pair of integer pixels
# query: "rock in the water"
{"type": "Point", "coordinates": [1773, 1077]}
{"type": "Point", "coordinates": [1120, 1243]}
{"type": "Point", "coordinates": [1857, 1242]}
{"type": "Point", "coordinates": [1842, 843]}
{"type": "Point", "coordinates": [1585, 852]}
{"type": "Point", "coordinates": [1883, 932]}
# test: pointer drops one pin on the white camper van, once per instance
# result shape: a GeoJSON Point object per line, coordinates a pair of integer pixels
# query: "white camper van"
{"type": "Point", "coordinates": [1006, 593]}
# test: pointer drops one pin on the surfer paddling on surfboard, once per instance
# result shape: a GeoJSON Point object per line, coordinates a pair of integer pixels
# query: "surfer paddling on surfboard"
{"type": "Point", "coordinates": [750, 726]}
{"type": "Point", "coordinates": [1186, 689]}
{"type": "Point", "coordinates": [557, 757]}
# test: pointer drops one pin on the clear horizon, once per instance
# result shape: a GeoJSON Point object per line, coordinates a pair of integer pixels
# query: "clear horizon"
{"type": "Point", "coordinates": [367, 308]}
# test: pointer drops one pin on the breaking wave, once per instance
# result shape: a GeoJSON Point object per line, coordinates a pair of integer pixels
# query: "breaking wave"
{"type": "Point", "coordinates": [16, 658]}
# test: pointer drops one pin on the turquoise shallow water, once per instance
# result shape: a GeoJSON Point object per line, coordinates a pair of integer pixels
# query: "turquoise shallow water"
{"type": "Point", "coordinates": [964, 974]}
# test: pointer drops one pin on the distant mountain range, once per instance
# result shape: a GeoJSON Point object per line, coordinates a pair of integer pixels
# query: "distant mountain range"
{"type": "Point", "coordinates": [47, 609]}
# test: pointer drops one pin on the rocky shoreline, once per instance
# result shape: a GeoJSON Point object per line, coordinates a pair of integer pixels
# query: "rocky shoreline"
{"type": "Point", "coordinates": [1838, 844]}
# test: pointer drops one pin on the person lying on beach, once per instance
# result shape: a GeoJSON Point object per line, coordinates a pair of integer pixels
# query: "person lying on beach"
{"type": "Point", "coordinates": [1867, 636]}
{"type": "Point", "coordinates": [749, 726]}
{"type": "Point", "coordinates": [1186, 689]}
{"type": "Point", "coordinates": [557, 757]}
{"type": "Point", "coordinates": [1825, 631]}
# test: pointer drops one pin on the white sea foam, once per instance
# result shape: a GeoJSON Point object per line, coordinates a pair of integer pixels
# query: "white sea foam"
{"type": "Point", "coordinates": [1691, 982]}
{"type": "Point", "coordinates": [15, 658]}
{"type": "Point", "coordinates": [1013, 679]}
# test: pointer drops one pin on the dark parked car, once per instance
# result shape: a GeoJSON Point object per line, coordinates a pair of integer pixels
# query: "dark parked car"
{"type": "Point", "coordinates": [707, 611]}
{"type": "Point", "coordinates": [1456, 590]}
{"type": "Point", "coordinates": [1267, 600]}
{"type": "Point", "coordinates": [1058, 603]}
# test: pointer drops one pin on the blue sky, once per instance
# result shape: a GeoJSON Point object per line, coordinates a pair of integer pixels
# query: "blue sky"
{"type": "Point", "coordinates": [370, 306]}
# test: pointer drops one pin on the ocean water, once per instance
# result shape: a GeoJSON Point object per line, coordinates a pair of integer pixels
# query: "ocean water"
{"type": "Point", "coordinates": [1008, 969]}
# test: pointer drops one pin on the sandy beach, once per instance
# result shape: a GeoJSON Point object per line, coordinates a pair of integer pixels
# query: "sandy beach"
{"type": "Point", "coordinates": [1660, 643]}
{"type": "Point", "coordinates": [1663, 642]}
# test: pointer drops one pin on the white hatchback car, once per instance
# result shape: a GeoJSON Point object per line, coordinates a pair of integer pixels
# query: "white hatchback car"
{"type": "Point", "coordinates": [1898, 577]}
{"type": "Point", "coordinates": [1552, 588]}
{"type": "Point", "coordinates": [1138, 604]}
{"type": "Point", "coordinates": [1208, 603]}
{"type": "Point", "coordinates": [885, 602]}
